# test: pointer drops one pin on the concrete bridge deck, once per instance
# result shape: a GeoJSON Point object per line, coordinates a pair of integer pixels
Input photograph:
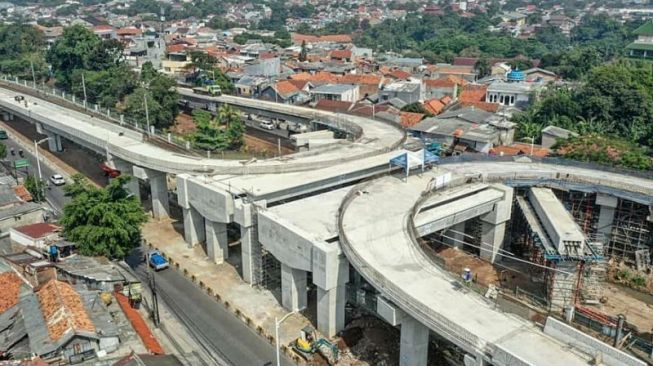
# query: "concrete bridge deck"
{"type": "Point", "coordinates": [374, 236]}
{"type": "Point", "coordinates": [374, 138]}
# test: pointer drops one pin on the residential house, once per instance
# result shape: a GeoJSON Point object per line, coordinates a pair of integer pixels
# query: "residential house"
{"type": "Point", "coordinates": [643, 45]}
{"type": "Point", "coordinates": [406, 91]}
{"type": "Point", "coordinates": [105, 32]}
{"type": "Point", "coordinates": [536, 74]}
{"type": "Point", "coordinates": [552, 134]}
{"type": "Point", "coordinates": [338, 92]}
{"type": "Point", "coordinates": [519, 95]}
{"type": "Point", "coordinates": [285, 91]}
{"type": "Point", "coordinates": [562, 22]}
{"type": "Point", "coordinates": [251, 86]}
{"type": "Point", "coordinates": [368, 84]}
{"type": "Point", "coordinates": [37, 235]}
{"type": "Point", "coordinates": [471, 128]}
{"type": "Point", "coordinates": [446, 85]}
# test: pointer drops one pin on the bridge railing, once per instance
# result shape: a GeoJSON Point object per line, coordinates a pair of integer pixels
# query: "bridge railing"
{"type": "Point", "coordinates": [424, 314]}
{"type": "Point", "coordinates": [117, 117]}
{"type": "Point", "coordinates": [467, 158]}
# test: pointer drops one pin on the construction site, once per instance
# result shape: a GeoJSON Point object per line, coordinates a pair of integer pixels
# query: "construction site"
{"type": "Point", "coordinates": [566, 251]}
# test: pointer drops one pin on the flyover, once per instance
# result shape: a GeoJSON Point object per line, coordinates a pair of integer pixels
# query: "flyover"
{"type": "Point", "coordinates": [378, 235]}
{"type": "Point", "coordinates": [375, 221]}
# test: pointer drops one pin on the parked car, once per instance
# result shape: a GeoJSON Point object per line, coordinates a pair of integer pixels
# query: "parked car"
{"type": "Point", "coordinates": [268, 125]}
{"type": "Point", "coordinates": [3, 135]}
{"type": "Point", "coordinates": [157, 261]}
{"type": "Point", "coordinates": [57, 180]}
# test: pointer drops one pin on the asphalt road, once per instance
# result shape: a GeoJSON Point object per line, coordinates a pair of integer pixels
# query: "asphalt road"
{"type": "Point", "coordinates": [218, 331]}
{"type": "Point", "coordinates": [54, 195]}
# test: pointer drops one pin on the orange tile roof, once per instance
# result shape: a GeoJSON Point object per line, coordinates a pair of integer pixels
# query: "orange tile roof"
{"type": "Point", "coordinates": [176, 48]}
{"type": "Point", "coordinates": [333, 38]}
{"type": "Point", "coordinates": [399, 74]}
{"type": "Point", "coordinates": [360, 79]}
{"type": "Point", "coordinates": [319, 77]}
{"type": "Point", "coordinates": [488, 107]}
{"type": "Point", "coordinates": [340, 54]}
{"type": "Point", "coordinates": [473, 93]}
{"type": "Point", "coordinates": [128, 31]}
{"type": "Point", "coordinates": [63, 309]}
{"type": "Point", "coordinates": [520, 149]}
{"type": "Point", "coordinates": [299, 84]}
{"type": "Point", "coordinates": [10, 284]}
{"type": "Point", "coordinates": [410, 119]}
{"type": "Point", "coordinates": [333, 105]}
{"type": "Point", "coordinates": [38, 230]}
{"type": "Point", "coordinates": [139, 325]}
{"type": "Point", "coordinates": [434, 106]}
{"type": "Point", "coordinates": [446, 100]}
{"type": "Point", "coordinates": [445, 82]}
{"type": "Point", "coordinates": [285, 87]}
{"type": "Point", "coordinates": [23, 193]}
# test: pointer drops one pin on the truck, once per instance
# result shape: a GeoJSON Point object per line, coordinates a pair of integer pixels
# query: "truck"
{"type": "Point", "coordinates": [213, 90]}
{"type": "Point", "coordinates": [156, 260]}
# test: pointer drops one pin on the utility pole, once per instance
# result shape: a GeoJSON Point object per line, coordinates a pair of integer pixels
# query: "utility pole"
{"type": "Point", "coordinates": [84, 89]}
{"type": "Point", "coordinates": [155, 301]}
{"type": "Point", "coordinates": [31, 65]}
{"type": "Point", "coordinates": [147, 113]}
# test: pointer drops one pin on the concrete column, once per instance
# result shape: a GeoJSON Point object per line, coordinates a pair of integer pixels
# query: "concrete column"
{"type": "Point", "coordinates": [126, 168]}
{"type": "Point", "coordinates": [250, 249]}
{"type": "Point", "coordinates": [217, 245]}
{"type": "Point", "coordinates": [331, 310]}
{"type": "Point", "coordinates": [456, 235]}
{"type": "Point", "coordinates": [194, 231]}
{"type": "Point", "coordinates": [492, 236]}
{"type": "Point", "coordinates": [293, 288]}
{"type": "Point", "coordinates": [57, 139]}
{"type": "Point", "coordinates": [159, 190]}
{"type": "Point", "coordinates": [414, 347]}
{"type": "Point", "coordinates": [52, 142]}
{"type": "Point", "coordinates": [493, 225]}
{"type": "Point", "coordinates": [608, 205]}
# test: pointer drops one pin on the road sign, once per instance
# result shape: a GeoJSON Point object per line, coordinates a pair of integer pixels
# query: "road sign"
{"type": "Point", "coordinates": [21, 163]}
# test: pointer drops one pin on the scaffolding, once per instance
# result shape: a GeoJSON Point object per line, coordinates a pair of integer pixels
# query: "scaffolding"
{"type": "Point", "coordinates": [631, 231]}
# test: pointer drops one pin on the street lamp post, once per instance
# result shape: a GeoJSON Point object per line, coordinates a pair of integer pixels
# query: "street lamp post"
{"type": "Point", "coordinates": [277, 323]}
{"type": "Point", "coordinates": [38, 162]}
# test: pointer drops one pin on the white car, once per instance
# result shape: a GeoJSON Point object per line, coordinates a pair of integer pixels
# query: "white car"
{"type": "Point", "coordinates": [57, 180]}
{"type": "Point", "coordinates": [268, 125]}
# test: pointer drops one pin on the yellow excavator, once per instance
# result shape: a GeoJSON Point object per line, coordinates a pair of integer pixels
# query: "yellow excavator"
{"type": "Point", "coordinates": [307, 345]}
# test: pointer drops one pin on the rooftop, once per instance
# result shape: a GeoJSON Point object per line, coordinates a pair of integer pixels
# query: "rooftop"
{"type": "Point", "coordinates": [333, 88]}
{"type": "Point", "coordinates": [645, 29]}
{"type": "Point", "coordinates": [39, 230]}
{"type": "Point", "coordinates": [63, 310]}
{"type": "Point", "coordinates": [10, 284]}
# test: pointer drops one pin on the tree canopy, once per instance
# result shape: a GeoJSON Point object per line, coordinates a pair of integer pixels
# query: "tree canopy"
{"type": "Point", "coordinates": [606, 150]}
{"type": "Point", "coordinates": [102, 221]}
{"type": "Point", "coordinates": [222, 132]}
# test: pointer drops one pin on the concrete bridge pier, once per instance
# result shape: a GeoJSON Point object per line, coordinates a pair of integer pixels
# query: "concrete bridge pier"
{"type": "Point", "coordinates": [456, 235]}
{"type": "Point", "coordinates": [250, 247]}
{"type": "Point", "coordinates": [331, 295]}
{"type": "Point", "coordinates": [293, 288]}
{"type": "Point", "coordinates": [159, 193]}
{"type": "Point", "coordinates": [414, 344]}
{"type": "Point", "coordinates": [133, 186]}
{"type": "Point", "coordinates": [54, 140]}
{"type": "Point", "coordinates": [194, 230]}
{"type": "Point", "coordinates": [608, 205]}
{"type": "Point", "coordinates": [494, 225]}
{"type": "Point", "coordinates": [217, 244]}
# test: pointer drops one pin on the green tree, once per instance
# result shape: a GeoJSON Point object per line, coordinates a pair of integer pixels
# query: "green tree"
{"type": "Point", "coordinates": [605, 150]}
{"type": "Point", "coordinates": [3, 151]}
{"type": "Point", "coordinates": [36, 188]}
{"type": "Point", "coordinates": [483, 67]}
{"type": "Point", "coordinates": [102, 221]}
{"type": "Point", "coordinates": [209, 135]}
{"type": "Point", "coordinates": [162, 99]}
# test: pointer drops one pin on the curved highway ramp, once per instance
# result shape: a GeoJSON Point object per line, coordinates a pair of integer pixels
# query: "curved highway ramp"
{"type": "Point", "coordinates": [374, 236]}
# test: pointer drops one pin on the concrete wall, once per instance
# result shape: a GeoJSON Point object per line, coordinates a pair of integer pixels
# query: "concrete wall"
{"type": "Point", "coordinates": [212, 203]}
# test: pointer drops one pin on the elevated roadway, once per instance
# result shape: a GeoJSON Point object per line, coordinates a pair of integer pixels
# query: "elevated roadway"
{"type": "Point", "coordinates": [371, 138]}
{"type": "Point", "coordinates": [379, 238]}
